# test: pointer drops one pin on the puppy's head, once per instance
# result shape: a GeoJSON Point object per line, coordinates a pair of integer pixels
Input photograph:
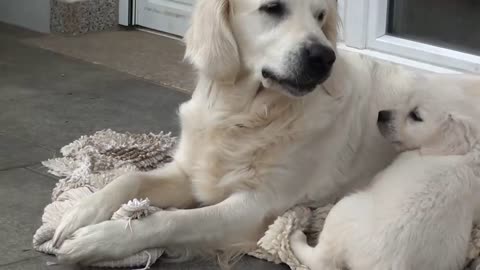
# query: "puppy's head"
{"type": "Point", "coordinates": [289, 45]}
{"type": "Point", "coordinates": [437, 122]}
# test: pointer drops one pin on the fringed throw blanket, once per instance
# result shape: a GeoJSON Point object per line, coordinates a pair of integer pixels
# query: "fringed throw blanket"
{"type": "Point", "coordinates": [91, 162]}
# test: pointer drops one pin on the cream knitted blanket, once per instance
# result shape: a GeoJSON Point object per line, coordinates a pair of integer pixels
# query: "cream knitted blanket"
{"type": "Point", "coordinates": [91, 162]}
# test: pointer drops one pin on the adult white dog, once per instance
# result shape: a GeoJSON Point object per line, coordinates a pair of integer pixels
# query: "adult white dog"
{"type": "Point", "coordinates": [278, 118]}
{"type": "Point", "coordinates": [419, 212]}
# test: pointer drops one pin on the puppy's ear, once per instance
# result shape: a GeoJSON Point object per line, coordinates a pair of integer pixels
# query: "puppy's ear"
{"type": "Point", "coordinates": [455, 138]}
{"type": "Point", "coordinates": [211, 46]}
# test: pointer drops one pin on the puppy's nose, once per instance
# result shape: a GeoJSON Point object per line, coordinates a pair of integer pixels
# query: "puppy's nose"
{"type": "Point", "coordinates": [384, 116]}
{"type": "Point", "coordinates": [319, 54]}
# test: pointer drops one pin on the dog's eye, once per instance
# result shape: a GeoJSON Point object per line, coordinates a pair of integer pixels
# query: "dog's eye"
{"type": "Point", "coordinates": [415, 116]}
{"type": "Point", "coordinates": [321, 16]}
{"type": "Point", "coordinates": [275, 8]}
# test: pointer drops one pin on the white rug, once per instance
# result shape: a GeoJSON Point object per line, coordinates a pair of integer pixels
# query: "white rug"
{"type": "Point", "coordinates": [91, 162]}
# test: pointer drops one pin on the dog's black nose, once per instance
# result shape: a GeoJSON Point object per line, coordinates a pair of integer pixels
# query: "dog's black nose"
{"type": "Point", "coordinates": [320, 55]}
{"type": "Point", "coordinates": [384, 116]}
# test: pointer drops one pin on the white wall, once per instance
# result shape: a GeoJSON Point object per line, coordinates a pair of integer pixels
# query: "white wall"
{"type": "Point", "coordinates": [31, 14]}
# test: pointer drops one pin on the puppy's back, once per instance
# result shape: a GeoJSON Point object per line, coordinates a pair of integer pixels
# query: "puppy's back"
{"type": "Point", "coordinates": [415, 215]}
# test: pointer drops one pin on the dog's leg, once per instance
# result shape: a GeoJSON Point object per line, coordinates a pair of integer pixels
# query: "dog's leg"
{"type": "Point", "coordinates": [301, 249]}
{"type": "Point", "coordinates": [316, 258]}
{"type": "Point", "coordinates": [165, 187]}
{"type": "Point", "coordinates": [238, 220]}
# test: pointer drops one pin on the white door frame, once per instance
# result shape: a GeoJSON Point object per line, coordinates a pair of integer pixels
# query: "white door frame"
{"type": "Point", "coordinates": [169, 16]}
{"type": "Point", "coordinates": [125, 12]}
{"type": "Point", "coordinates": [365, 24]}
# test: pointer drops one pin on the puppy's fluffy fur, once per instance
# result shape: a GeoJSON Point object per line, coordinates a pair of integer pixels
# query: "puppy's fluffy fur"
{"type": "Point", "coordinates": [274, 121]}
{"type": "Point", "coordinates": [417, 213]}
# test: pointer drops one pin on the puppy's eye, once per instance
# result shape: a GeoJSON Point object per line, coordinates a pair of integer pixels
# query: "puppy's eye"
{"type": "Point", "coordinates": [274, 8]}
{"type": "Point", "coordinates": [321, 16]}
{"type": "Point", "coordinates": [415, 116]}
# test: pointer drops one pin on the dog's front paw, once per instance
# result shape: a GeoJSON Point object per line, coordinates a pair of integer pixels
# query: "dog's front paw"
{"type": "Point", "coordinates": [108, 240]}
{"type": "Point", "coordinates": [85, 213]}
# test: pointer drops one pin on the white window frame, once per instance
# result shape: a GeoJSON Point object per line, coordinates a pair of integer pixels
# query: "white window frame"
{"type": "Point", "coordinates": [365, 28]}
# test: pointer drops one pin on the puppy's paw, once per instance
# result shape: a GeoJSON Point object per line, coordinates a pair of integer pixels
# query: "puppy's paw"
{"type": "Point", "coordinates": [108, 240]}
{"type": "Point", "coordinates": [85, 213]}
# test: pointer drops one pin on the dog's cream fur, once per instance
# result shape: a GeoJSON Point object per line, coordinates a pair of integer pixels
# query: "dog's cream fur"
{"type": "Point", "coordinates": [419, 212]}
{"type": "Point", "coordinates": [248, 149]}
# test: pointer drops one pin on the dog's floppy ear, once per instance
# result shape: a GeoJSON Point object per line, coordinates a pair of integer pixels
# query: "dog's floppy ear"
{"type": "Point", "coordinates": [211, 46]}
{"type": "Point", "coordinates": [332, 24]}
{"type": "Point", "coordinates": [334, 86]}
{"type": "Point", "coordinates": [455, 138]}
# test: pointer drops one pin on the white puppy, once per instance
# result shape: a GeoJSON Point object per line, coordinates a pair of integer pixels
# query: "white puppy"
{"type": "Point", "coordinates": [418, 213]}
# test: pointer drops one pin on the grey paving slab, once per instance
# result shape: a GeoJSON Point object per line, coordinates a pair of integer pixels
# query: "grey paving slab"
{"type": "Point", "coordinates": [16, 32]}
{"type": "Point", "coordinates": [248, 263]}
{"type": "Point", "coordinates": [16, 152]}
{"type": "Point", "coordinates": [145, 55]}
{"type": "Point", "coordinates": [23, 195]}
{"type": "Point", "coordinates": [41, 262]}
{"type": "Point", "coordinates": [40, 169]}
{"type": "Point", "coordinates": [50, 99]}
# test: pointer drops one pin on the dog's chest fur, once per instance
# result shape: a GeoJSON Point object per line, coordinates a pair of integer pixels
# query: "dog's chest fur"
{"type": "Point", "coordinates": [232, 142]}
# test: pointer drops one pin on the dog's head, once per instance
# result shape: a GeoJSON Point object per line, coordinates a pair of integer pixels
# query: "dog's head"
{"type": "Point", "coordinates": [438, 122]}
{"type": "Point", "coordinates": [289, 45]}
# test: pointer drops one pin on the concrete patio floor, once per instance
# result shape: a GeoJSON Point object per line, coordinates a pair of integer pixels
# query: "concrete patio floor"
{"type": "Point", "coordinates": [46, 101]}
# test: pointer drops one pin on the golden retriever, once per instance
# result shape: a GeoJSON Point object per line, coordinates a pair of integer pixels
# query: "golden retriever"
{"type": "Point", "coordinates": [278, 118]}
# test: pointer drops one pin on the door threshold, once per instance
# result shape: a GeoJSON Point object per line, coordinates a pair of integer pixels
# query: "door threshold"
{"type": "Point", "coordinates": [159, 33]}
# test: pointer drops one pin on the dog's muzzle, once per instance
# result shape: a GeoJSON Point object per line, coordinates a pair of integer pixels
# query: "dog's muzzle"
{"type": "Point", "coordinates": [312, 67]}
